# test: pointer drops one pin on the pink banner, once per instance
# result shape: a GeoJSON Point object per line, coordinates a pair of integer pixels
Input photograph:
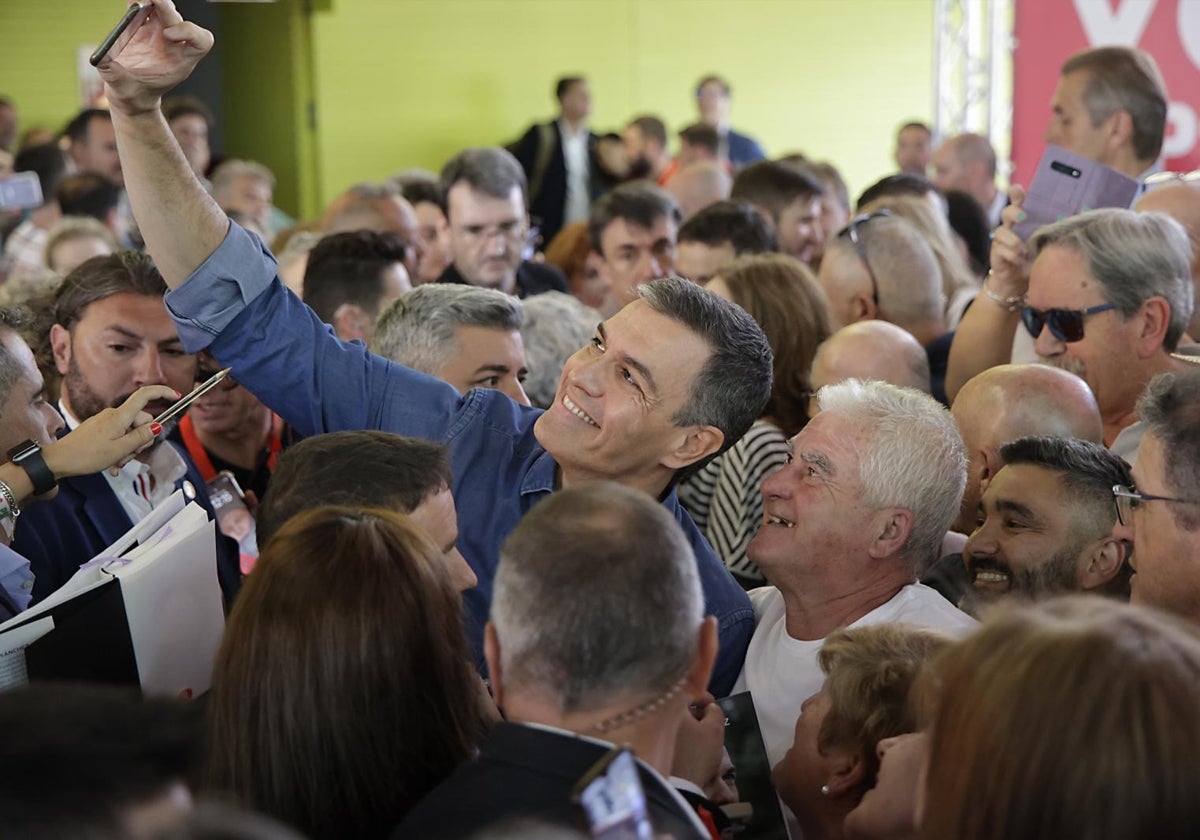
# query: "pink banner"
{"type": "Point", "coordinates": [1049, 31]}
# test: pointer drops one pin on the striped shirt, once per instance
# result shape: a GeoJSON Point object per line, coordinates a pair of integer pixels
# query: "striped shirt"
{"type": "Point", "coordinates": [725, 497]}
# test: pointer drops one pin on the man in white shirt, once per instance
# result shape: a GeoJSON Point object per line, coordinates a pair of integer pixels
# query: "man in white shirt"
{"type": "Point", "coordinates": [874, 482]}
{"type": "Point", "coordinates": [559, 161]}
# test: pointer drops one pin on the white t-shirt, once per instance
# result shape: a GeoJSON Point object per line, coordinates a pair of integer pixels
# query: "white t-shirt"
{"type": "Point", "coordinates": [782, 672]}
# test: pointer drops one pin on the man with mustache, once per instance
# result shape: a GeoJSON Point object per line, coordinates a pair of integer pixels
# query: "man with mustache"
{"type": "Point", "coordinates": [1110, 295]}
{"type": "Point", "coordinates": [1047, 524]}
{"type": "Point", "coordinates": [111, 336]}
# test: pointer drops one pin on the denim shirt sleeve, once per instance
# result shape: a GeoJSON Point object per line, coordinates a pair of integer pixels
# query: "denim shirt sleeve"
{"type": "Point", "coordinates": [235, 305]}
{"type": "Point", "coordinates": [723, 598]}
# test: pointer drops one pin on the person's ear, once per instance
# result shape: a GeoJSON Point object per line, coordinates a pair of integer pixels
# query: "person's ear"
{"type": "Point", "coordinates": [60, 345]}
{"type": "Point", "coordinates": [893, 527]}
{"type": "Point", "coordinates": [1101, 563]}
{"type": "Point", "coordinates": [1120, 129]}
{"type": "Point", "coordinates": [862, 308]}
{"type": "Point", "coordinates": [701, 669]}
{"type": "Point", "coordinates": [848, 774]}
{"type": "Point", "coordinates": [351, 322]}
{"type": "Point", "coordinates": [991, 464]}
{"type": "Point", "coordinates": [1153, 319]}
{"type": "Point", "coordinates": [698, 442]}
{"type": "Point", "coordinates": [491, 654]}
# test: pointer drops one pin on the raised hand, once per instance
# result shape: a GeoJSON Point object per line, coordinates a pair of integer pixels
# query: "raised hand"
{"type": "Point", "coordinates": [162, 53]}
{"type": "Point", "coordinates": [1009, 256]}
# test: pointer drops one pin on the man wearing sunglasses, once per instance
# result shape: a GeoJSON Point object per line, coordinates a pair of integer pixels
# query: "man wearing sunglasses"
{"type": "Point", "coordinates": [1163, 505]}
{"type": "Point", "coordinates": [1110, 295]}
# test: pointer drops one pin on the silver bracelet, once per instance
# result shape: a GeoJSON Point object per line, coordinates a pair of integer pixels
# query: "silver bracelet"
{"type": "Point", "coordinates": [1011, 304]}
{"type": "Point", "coordinates": [10, 500]}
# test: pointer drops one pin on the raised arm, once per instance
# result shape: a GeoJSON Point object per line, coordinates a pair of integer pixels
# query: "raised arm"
{"type": "Point", "coordinates": [985, 335]}
{"type": "Point", "coordinates": [180, 222]}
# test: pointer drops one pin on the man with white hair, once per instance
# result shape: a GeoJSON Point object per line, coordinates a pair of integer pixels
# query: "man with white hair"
{"type": "Point", "coordinates": [597, 637]}
{"type": "Point", "coordinates": [465, 335]}
{"type": "Point", "coordinates": [874, 482]}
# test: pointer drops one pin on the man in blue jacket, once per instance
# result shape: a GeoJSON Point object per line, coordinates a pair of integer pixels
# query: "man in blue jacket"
{"type": "Point", "coordinates": [668, 382]}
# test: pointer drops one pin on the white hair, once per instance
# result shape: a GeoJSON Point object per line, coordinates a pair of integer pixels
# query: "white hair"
{"type": "Point", "coordinates": [915, 458]}
{"type": "Point", "coordinates": [555, 326]}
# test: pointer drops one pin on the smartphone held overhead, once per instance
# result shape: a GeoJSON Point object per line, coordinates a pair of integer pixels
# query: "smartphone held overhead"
{"type": "Point", "coordinates": [122, 33]}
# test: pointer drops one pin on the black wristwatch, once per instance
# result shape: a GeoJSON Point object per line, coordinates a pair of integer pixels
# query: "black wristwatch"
{"type": "Point", "coordinates": [28, 456]}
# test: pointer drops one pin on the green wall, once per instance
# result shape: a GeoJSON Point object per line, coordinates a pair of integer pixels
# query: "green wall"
{"type": "Point", "coordinates": [402, 83]}
{"type": "Point", "coordinates": [407, 82]}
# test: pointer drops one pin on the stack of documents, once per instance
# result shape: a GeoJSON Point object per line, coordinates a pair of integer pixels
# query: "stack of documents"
{"type": "Point", "coordinates": [147, 610]}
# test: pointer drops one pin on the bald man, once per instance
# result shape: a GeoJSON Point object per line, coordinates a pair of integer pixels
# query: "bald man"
{"type": "Point", "coordinates": [888, 271]}
{"type": "Point", "coordinates": [1181, 201]}
{"type": "Point", "coordinates": [1014, 401]}
{"type": "Point", "coordinates": [967, 162]}
{"type": "Point", "coordinates": [699, 185]}
{"type": "Point", "coordinates": [377, 207]}
{"type": "Point", "coordinates": [871, 350]}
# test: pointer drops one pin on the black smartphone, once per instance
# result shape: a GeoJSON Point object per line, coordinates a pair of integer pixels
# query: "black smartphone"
{"type": "Point", "coordinates": [611, 801]}
{"type": "Point", "coordinates": [130, 22]}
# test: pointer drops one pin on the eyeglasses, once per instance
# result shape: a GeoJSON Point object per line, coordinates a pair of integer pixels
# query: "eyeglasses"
{"type": "Point", "coordinates": [1160, 178]}
{"type": "Point", "coordinates": [860, 247]}
{"type": "Point", "coordinates": [1065, 324]}
{"type": "Point", "coordinates": [1127, 499]}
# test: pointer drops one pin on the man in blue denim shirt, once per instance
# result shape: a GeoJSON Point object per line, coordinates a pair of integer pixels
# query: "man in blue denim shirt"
{"type": "Point", "coordinates": [668, 382]}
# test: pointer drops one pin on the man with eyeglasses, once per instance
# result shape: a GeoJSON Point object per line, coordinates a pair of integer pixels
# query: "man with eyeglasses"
{"type": "Point", "coordinates": [1110, 295]}
{"type": "Point", "coordinates": [489, 226]}
{"type": "Point", "coordinates": [1163, 505]}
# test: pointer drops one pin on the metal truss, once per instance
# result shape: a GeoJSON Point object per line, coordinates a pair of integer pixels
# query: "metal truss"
{"type": "Point", "coordinates": [973, 72]}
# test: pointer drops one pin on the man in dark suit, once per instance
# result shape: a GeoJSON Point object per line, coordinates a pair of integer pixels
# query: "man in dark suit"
{"type": "Point", "coordinates": [111, 336]}
{"type": "Point", "coordinates": [597, 637]}
{"type": "Point", "coordinates": [713, 97]}
{"type": "Point", "coordinates": [559, 159]}
{"type": "Point", "coordinates": [485, 208]}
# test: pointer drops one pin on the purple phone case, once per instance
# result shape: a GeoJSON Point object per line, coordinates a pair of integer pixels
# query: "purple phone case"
{"type": "Point", "coordinates": [1067, 184]}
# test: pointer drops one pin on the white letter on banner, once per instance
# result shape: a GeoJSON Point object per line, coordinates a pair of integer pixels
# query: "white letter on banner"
{"type": "Point", "coordinates": [1189, 29]}
{"type": "Point", "coordinates": [1122, 27]}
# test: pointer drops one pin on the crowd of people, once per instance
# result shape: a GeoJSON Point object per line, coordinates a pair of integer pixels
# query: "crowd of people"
{"type": "Point", "coordinates": [565, 448]}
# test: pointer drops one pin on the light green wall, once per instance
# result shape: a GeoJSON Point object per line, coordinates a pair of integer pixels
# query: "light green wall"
{"type": "Point", "coordinates": [401, 83]}
{"type": "Point", "coordinates": [407, 82]}
{"type": "Point", "coordinates": [38, 43]}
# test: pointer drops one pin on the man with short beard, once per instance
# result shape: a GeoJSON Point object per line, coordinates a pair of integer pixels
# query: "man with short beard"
{"type": "Point", "coordinates": [1047, 524]}
{"type": "Point", "coordinates": [111, 336]}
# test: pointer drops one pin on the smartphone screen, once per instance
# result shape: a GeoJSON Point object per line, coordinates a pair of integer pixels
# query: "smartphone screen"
{"type": "Point", "coordinates": [20, 191]}
{"type": "Point", "coordinates": [612, 799]}
{"type": "Point", "coordinates": [122, 33]}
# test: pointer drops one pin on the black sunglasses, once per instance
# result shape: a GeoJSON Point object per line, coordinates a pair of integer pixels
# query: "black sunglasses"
{"type": "Point", "coordinates": [860, 247]}
{"type": "Point", "coordinates": [1065, 324]}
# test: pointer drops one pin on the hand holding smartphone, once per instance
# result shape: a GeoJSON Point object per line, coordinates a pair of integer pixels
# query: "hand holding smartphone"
{"type": "Point", "coordinates": [122, 33]}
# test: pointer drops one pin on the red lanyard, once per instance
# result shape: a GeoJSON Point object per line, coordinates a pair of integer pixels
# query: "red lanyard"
{"type": "Point", "coordinates": [199, 454]}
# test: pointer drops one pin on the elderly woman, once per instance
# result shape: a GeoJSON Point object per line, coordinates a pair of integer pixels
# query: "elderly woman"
{"type": "Point", "coordinates": [1070, 718]}
{"type": "Point", "coordinates": [869, 674]}
{"type": "Point", "coordinates": [342, 692]}
{"type": "Point", "coordinates": [725, 496]}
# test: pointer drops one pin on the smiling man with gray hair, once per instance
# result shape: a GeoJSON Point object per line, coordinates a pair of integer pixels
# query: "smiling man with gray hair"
{"type": "Point", "coordinates": [874, 481]}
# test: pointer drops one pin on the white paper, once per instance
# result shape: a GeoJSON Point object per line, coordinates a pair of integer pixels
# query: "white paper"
{"type": "Point", "coordinates": [173, 604]}
{"type": "Point", "coordinates": [13, 673]}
